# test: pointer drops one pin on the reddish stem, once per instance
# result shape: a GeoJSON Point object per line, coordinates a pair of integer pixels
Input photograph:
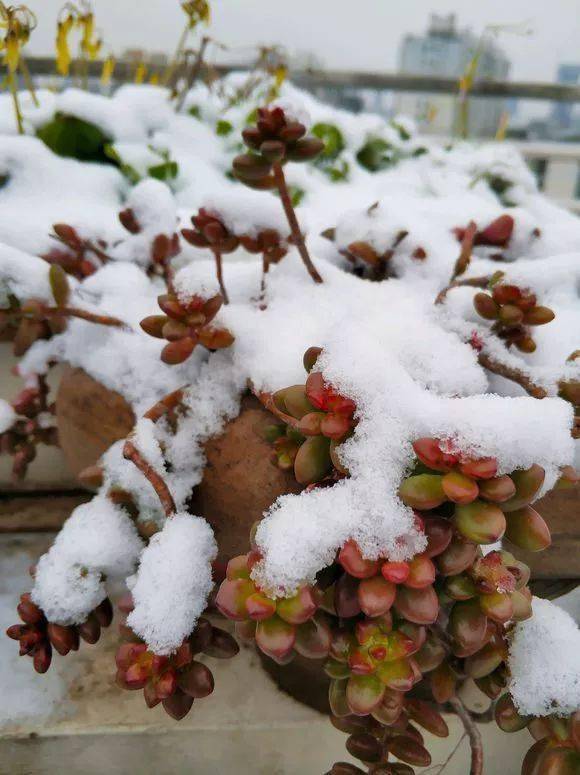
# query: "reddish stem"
{"type": "Point", "coordinates": [473, 733]}
{"type": "Point", "coordinates": [130, 452]}
{"type": "Point", "coordinates": [220, 275]}
{"type": "Point", "coordinates": [265, 270]}
{"type": "Point", "coordinates": [470, 282]}
{"type": "Point", "coordinates": [267, 401]}
{"type": "Point", "coordinates": [83, 314]}
{"type": "Point", "coordinates": [297, 237]}
{"type": "Point", "coordinates": [165, 405]}
{"type": "Point", "coordinates": [515, 375]}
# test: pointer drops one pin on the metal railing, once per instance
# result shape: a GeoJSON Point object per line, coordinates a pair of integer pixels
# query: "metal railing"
{"type": "Point", "coordinates": [559, 162]}
{"type": "Point", "coordinates": [125, 70]}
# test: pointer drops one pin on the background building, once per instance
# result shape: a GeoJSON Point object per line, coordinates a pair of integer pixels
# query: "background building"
{"type": "Point", "coordinates": [445, 51]}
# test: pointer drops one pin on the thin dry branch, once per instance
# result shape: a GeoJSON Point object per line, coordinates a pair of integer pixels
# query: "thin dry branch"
{"type": "Point", "coordinates": [297, 237]}
{"type": "Point", "coordinates": [165, 405]}
{"type": "Point", "coordinates": [473, 734]}
{"type": "Point", "coordinates": [267, 401]}
{"type": "Point", "coordinates": [513, 374]}
{"type": "Point", "coordinates": [130, 452]}
{"type": "Point", "coordinates": [83, 314]}
{"type": "Point", "coordinates": [462, 263]}
{"type": "Point", "coordinates": [471, 282]}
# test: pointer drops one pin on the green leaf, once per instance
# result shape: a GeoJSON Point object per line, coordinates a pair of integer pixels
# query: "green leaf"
{"type": "Point", "coordinates": [166, 171]}
{"type": "Point", "coordinates": [403, 133]}
{"type": "Point", "coordinates": [377, 154]}
{"type": "Point", "coordinates": [59, 284]}
{"type": "Point", "coordinates": [252, 116]}
{"type": "Point", "coordinates": [332, 138]}
{"type": "Point", "coordinates": [195, 111]}
{"type": "Point", "coordinates": [223, 128]}
{"type": "Point", "coordinates": [126, 169]}
{"type": "Point", "coordinates": [337, 172]}
{"type": "Point", "coordinates": [296, 195]}
{"type": "Point", "coordinates": [75, 138]}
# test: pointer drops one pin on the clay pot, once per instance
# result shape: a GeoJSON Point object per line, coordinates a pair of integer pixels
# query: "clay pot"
{"type": "Point", "coordinates": [239, 481]}
{"type": "Point", "coordinates": [562, 559]}
{"type": "Point", "coordinates": [90, 418]}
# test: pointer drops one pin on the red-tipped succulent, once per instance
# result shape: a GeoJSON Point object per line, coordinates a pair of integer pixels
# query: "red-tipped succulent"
{"type": "Point", "coordinates": [318, 419]}
{"type": "Point", "coordinates": [211, 232]}
{"type": "Point", "coordinates": [178, 679]}
{"type": "Point", "coordinates": [78, 256]}
{"type": "Point", "coordinates": [30, 428]}
{"type": "Point", "coordinates": [38, 637]}
{"type": "Point", "coordinates": [163, 248]}
{"type": "Point", "coordinates": [513, 310]}
{"type": "Point", "coordinates": [496, 234]}
{"type": "Point", "coordinates": [186, 324]}
{"type": "Point", "coordinates": [279, 627]}
{"type": "Point", "coordinates": [275, 139]}
{"type": "Point", "coordinates": [557, 739]}
{"type": "Point", "coordinates": [484, 504]}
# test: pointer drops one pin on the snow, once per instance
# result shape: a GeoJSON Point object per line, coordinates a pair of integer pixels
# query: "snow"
{"type": "Point", "coordinates": [22, 275]}
{"type": "Point", "coordinates": [7, 415]}
{"type": "Point", "coordinates": [97, 541]}
{"type": "Point", "coordinates": [406, 363]}
{"type": "Point", "coordinates": [173, 582]}
{"type": "Point", "coordinates": [28, 697]}
{"type": "Point", "coordinates": [544, 663]}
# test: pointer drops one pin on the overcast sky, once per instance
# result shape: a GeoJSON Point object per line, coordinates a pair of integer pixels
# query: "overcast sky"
{"type": "Point", "coordinates": [344, 34]}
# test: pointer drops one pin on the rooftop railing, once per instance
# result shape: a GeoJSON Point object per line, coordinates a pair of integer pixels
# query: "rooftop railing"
{"type": "Point", "coordinates": [558, 161]}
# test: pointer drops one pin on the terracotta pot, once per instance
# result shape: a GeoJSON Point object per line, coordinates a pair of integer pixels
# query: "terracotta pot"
{"type": "Point", "coordinates": [90, 418]}
{"type": "Point", "coordinates": [562, 559]}
{"type": "Point", "coordinates": [239, 481]}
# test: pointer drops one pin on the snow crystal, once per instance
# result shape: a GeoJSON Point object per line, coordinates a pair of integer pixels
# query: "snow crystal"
{"type": "Point", "coordinates": [7, 415]}
{"type": "Point", "coordinates": [40, 189]}
{"type": "Point", "coordinates": [544, 662]}
{"type": "Point", "coordinates": [23, 276]}
{"type": "Point", "coordinates": [172, 583]}
{"type": "Point", "coordinates": [248, 213]}
{"type": "Point", "coordinates": [23, 695]}
{"type": "Point", "coordinates": [98, 540]}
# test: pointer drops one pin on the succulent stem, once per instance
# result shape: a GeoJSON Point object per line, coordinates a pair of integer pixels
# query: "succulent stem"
{"type": "Point", "coordinates": [83, 314]}
{"type": "Point", "coordinates": [515, 375]}
{"type": "Point", "coordinates": [297, 237]}
{"type": "Point", "coordinates": [462, 263]}
{"type": "Point", "coordinates": [265, 270]}
{"type": "Point", "coordinates": [473, 734]}
{"type": "Point", "coordinates": [267, 401]}
{"type": "Point", "coordinates": [220, 275]}
{"type": "Point", "coordinates": [130, 452]}
{"type": "Point", "coordinates": [471, 282]}
{"type": "Point", "coordinates": [165, 405]}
